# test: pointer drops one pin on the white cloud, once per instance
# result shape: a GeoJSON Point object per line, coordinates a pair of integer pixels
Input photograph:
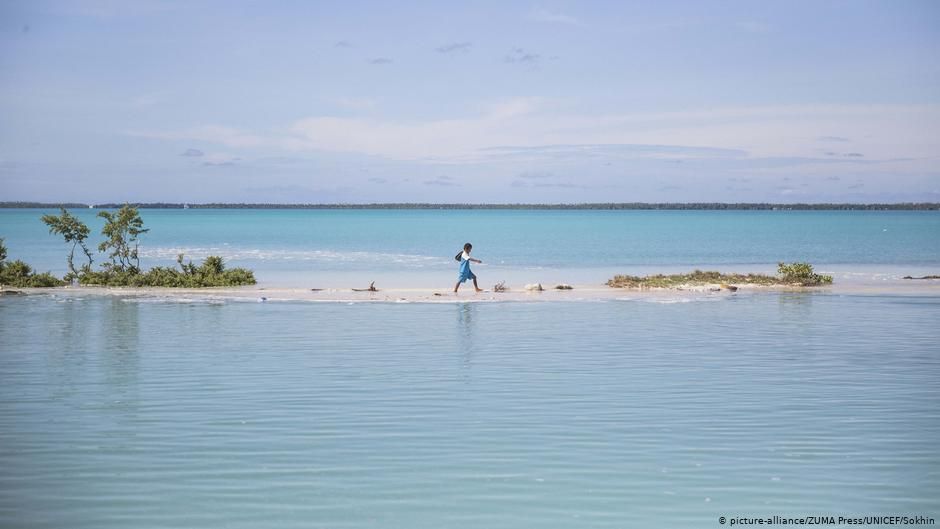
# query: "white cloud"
{"type": "Point", "coordinates": [499, 124]}
{"type": "Point", "coordinates": [522, 56]}
{"type": "Point", "coordinates": [544, 15]}
{"type": "Point", "coordinates": [881, 132]}
{"type": "Point", "coordinates": [454, 47]}
{"type": "Point", "coordinates": [887, 131]}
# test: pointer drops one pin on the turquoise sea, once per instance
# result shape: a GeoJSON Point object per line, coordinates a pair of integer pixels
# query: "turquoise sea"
{"type": "Point", "coordinates": [416, 247]}
{"type": "Point", "coordinates": [147, 411]}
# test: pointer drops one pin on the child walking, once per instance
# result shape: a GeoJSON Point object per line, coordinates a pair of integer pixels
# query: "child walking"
{"type": "Point", "coordinates": [465, 272]}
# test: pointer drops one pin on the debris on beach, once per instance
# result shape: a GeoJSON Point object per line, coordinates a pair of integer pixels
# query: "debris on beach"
{"type": "Point", "coordinates": [370, 289]}
{"type": "Point", "coordinates": [500, 287]}
{"type": "Point", "coordinates": [726, 286]}
{"type": "Point", "coordinates": [564, 286]}
{"type": "Point", "coordinates": [922, 277]}
{"type": "Point", "coordinates": [316, 290]}
{"type": "Point", "coordinates": [534, 286]}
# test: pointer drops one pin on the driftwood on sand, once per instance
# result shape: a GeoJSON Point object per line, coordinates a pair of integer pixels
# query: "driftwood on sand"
{"type": "Point", "coordinates": [370, 289]}
{"type": "Point", "coordinates": [500, 287]}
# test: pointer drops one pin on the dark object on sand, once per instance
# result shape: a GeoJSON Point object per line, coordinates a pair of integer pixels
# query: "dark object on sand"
{"type": "Point", "coordinates": [500, 287]}
{"type": "Point", "coordinates": [12, 293]}
{"type": "Point", "coordinates": [370, 289]}
{"type": "Point", "coordinates": [729, 287]}
{"type": "Point", "coordinates": [564, 286]}
{"type": "Point", "coordinates": [924, 277]}
{"type": "Point", "coordinates": [316, 290]}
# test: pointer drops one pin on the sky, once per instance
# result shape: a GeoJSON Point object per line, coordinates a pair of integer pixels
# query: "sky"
{"type": "Point", "coordinates": [500, 102]}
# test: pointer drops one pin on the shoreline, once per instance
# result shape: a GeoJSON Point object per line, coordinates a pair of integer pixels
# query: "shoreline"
{"type": "Point", "coordinates": [430, 294]}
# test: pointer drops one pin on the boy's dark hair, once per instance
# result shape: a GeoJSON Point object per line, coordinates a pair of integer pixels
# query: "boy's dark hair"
{"type": "Point", "coordinates": [466, 248]}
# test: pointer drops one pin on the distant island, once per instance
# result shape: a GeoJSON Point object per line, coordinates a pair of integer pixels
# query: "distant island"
{"type": "Point", "coordinates": [718, 206]}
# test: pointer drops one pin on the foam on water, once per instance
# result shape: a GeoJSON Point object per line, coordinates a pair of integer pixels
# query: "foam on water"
{"type": "Point", "coordinates": [274, 254]}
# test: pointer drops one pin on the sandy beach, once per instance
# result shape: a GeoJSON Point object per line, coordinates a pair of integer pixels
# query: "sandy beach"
{"type": "Point", "coordinates": [515, 293]}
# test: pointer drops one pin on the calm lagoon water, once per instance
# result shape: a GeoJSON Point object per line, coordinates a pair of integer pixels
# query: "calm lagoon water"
{"type": "Point", "coordinates": [651, 412]}
{"type": "Point", "coordinates": [134, 412]}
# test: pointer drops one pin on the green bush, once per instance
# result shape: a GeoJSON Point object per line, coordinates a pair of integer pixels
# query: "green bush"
{"type": "Point", "coordinates": [696, 277]}
{"type": "Point", "coordinates": [44, 279]}
{"type": "Point", "coordinates": [19, 274]}
{"type": "Point", "coordinates": [122, 230]}
{"type": "Point", "coordinates": [211, 273]}
{"type": "Point", "coordinates": [802, 274]}
{"type": "Point", "coordinates": [213, 265]}
{"type": "Point", "coordinates": [787, 274]}
{"type": "Point", "coordinates": [74, 231]}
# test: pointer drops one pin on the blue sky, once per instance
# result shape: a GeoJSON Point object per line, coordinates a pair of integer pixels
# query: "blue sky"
{"type": "Point", "coordinates": [153, 100]}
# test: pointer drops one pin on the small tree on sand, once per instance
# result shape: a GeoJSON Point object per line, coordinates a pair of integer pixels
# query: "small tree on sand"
{"type": "Point", "coordinates": [73, 231]}
{"type": "Point", "coordinates": [122, 229]}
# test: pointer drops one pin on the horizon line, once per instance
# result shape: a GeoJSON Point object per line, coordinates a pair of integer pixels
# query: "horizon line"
{"type": "Point", "coordinates": [479, 205]}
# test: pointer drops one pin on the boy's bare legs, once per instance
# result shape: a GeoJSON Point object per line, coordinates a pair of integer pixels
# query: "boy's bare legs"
{"type": "Point", "coordinates": [477, 287]}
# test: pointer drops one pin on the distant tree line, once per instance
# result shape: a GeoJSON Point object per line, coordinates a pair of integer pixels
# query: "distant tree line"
{"type": "Point", "coordinates": [42, 205]}
{"type": "Point", "coordinates": [716, 206]}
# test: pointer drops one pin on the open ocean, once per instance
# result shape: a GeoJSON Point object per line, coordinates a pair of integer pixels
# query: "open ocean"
{"type": "Point", "coordinates": [645, 412]}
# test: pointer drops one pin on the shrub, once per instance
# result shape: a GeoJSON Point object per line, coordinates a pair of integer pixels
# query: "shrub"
{"type": "Point", "coordinates": [15, 274]}
{"type": "Point", "coordinates": [73, 231]}
{"type": "Point", "coordinates": [122, 229]}
{"type": "Point", "coordinates": [19, 274]}
{"type": "Point", "coordinates": [787, 274]}
{"type": "Point", "coordinates": [44, 279]}
{"type": "Point", "coordinates": [211, 273]}
{"type": "Point", "coordinates": [802, 274]}
{"type": "Point", "coordinates": [213, 265]}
